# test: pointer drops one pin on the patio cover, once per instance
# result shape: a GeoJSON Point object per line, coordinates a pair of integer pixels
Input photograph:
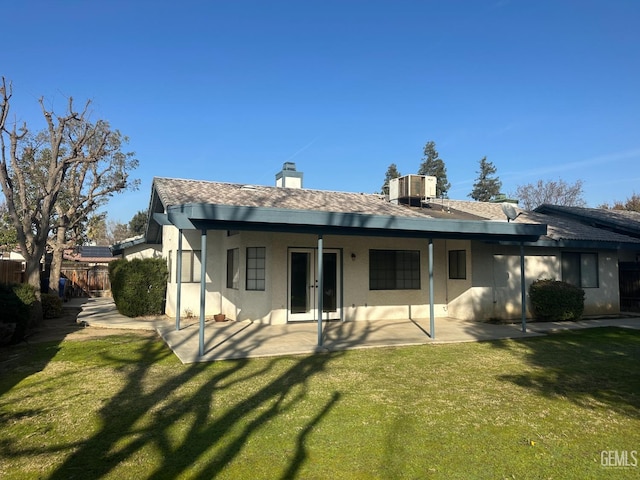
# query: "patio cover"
{"type": "Point", "coordinates": [203, 206]}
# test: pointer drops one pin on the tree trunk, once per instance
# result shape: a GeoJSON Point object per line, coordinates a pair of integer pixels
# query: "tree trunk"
{"type": "Point", "coordinates": [33, 278]}
{"type": "Point", "coordinates": [56, 261]}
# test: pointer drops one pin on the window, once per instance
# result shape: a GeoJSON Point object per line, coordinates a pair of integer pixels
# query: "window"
{"type": "Point", "coordinates": [580, 269]}
{"type": "Point", "coordinates": [256, 268]}
{"type": "Point", "coordinates": [233, 268]}
{"type": "Point", "coordinates": [190, 266]}
{"type": "Point", "coordinates": [394, 270]}
{"type": "Point", "coordinates": [457, 264]}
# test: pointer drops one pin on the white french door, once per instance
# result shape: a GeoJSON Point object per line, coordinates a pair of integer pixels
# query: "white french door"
{"type": "Point", "coordinates": [304, 288]}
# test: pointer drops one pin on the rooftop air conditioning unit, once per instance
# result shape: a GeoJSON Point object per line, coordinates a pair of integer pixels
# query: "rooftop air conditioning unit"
{"type": "Point", "coordinates": [412, 189]}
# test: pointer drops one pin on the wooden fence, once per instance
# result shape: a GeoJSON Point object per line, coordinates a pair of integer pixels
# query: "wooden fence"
{"type": "Point", "coordinates": [87, 280]}
{"type": "Point", "coordinates": [11, 271]}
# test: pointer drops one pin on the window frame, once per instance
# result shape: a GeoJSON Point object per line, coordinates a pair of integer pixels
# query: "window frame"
{"type": "Point", "coordinates": [233, 268]}
{"type": "Point", "coordinates": [192, 260]}
{"type": "Point", "coordinates": [573, 266]}
{"type": "Point", "coordinates": [457, 265]}
{"type": "Point", "coordinates": [394, 269]}
{"type": "Point", "coordinates": [255, 274]}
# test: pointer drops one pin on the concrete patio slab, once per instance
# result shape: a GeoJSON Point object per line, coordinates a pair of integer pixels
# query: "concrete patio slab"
{"type": "Point", "coordinates": [246, 339]}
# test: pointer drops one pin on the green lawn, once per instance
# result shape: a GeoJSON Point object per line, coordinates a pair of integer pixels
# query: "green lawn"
{"type": "Point", "coordinates": [124, 407]}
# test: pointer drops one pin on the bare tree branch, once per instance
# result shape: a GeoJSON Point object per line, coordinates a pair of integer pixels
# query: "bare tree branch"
{"type": "Point", "coordinates": [558, 192]}
{"type": "Point", "coordinates": [54, 179]}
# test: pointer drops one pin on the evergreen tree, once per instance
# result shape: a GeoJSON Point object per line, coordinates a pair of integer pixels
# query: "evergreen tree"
{"type": "Point", "coordinates": [392, 172]}
{"type": "Point", "coordinates": [433, 165]}
{"type": "Point", "coordinates": [138, 223]}
{"type": "Point", "coordinates": [486, 186]}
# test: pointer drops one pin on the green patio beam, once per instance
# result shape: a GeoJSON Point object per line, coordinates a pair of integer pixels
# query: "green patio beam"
{"type": "Point", "coordinates": [203, 289]}
{"type": "Point", "coordinates": [178, 279]}
{"type": "Point", "coordinates": [320, 288]}
{"type": "Point", "coordinates": [432, 320]}
{"type": "Point", "coordinates": [319, 222]}
{"type": "Point", "coordinates": [523, 290]}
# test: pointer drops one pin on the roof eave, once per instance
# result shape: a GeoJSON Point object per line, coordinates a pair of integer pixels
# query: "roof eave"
{"type": "Point", "coordinates": [212, 216]}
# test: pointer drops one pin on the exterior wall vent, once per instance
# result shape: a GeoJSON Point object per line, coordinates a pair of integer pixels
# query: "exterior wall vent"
{"type": "Point", "coordinates": [412, 189]}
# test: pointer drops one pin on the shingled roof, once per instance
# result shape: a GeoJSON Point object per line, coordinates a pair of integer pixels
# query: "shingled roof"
{"type": "Point", "coordinates": [197, 204]}
{"type": "Point", "coordinates": [624, 222]}
{"type": "Point", "coordinates": [172, 191]}
{"type": "Point", "coordinates": [561, 229]}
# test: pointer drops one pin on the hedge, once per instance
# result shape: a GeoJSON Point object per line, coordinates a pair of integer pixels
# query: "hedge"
{"type": "Point", "coordinates": [16, 301]}
{"type": "Point", "coordinates": [553, 300]}
{"type": "Point", "coordinates": [51, 306]}
{"type": "Point", "coordinates": [139, 285]}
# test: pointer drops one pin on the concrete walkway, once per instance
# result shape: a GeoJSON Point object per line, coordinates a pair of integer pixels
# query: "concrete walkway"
{"type": "Point", "coordinates": [246, 339]}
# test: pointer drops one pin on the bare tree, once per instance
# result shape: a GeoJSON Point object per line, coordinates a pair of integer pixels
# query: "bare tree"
{"type": "Point", "coordinates": [36, 169]}
{"type": "Point", "coordinates": [558, 192]}
{"type": "Point", "coordinates": [632, 204]}
{"type": "Point", "coordinates": [117, 232]}
{"type": "Point", "coordinates": [89, 185]}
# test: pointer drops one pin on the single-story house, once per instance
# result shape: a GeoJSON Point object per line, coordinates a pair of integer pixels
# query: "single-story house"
{"type": "Point", "coordinates": [285, 253]}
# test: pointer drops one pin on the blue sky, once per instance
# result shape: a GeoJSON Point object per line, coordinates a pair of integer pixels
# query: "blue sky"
{"type": "Point", "coordinates": [230, 90]}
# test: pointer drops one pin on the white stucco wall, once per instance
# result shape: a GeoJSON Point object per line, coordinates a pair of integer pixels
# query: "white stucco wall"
{"type": "Point", "coordinates": [142, 251]}
{"type": "Point", "coordinates": [606, 298]}
{"type": "Point", "coordinates": [496, 293]}
{"type": "Point", "coordinates": [491, 289]}
{"type": "Point", "coordinates": [271, 305]}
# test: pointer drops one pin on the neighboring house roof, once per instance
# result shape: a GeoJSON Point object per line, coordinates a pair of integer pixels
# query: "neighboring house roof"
{"type": "Point", "coordinates": [194, 204]}
{"type": "Point", "coordinates": [118, 248]}
{"type": "Point", "coordinates": [89, 254]}
{"type": "Point", "coordinates": [624, 222]}
{"type": "Point", "coordinates": [562, 229]}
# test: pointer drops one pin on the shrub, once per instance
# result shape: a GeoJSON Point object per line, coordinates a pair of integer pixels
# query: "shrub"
{"type": "Point", "coordinates": [16, 301]}
{"type": "Point", "coordinates": [138, 286]}
{"type": "Point", "coordinates": [553, 300]}
{"type": "Point", "coordinates": [51, 306]}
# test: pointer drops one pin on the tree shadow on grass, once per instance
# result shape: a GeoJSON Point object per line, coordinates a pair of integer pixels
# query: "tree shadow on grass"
{"type": "Point", "coordinates": [592, 368]}
{"type": "Point", "coordinates": [23, 359]}
{"type": "Point", "coordinates": [145, 413]}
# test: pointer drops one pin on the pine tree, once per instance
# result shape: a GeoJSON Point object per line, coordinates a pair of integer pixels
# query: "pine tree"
{"type": "Point", "coordinates": [433, 165]}
{"type": "Point", "coordinates": [392, 172]}
{"type": "Point", "coordinates": [486, 186]}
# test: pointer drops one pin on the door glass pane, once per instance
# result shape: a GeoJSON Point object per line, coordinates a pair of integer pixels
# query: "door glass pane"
{"type": "Point", "coordinates": [299, 282]}
{"type": "Point", "coordinates": [330, 280]}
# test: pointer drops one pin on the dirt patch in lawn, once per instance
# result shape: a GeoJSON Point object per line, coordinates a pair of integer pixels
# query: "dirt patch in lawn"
{"type": "Point", "coordinates": [67, 327]}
